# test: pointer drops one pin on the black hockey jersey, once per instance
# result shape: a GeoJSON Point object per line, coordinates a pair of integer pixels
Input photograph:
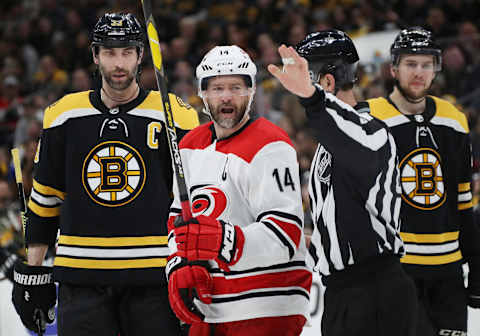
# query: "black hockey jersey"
{"type": "Point", "coordinates": [435, 172]}
{"type": "Point", "coordinates": [103, 177]}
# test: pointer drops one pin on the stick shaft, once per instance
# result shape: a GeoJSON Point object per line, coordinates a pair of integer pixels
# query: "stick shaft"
{"type": "Point", "coordinates": [167, 108]}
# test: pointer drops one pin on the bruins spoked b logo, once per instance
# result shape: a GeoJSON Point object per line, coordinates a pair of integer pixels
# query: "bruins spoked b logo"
{"type": "Point", "coordinates": [422, 180]}
{"type": "Point", "coordinates": [113, 173]}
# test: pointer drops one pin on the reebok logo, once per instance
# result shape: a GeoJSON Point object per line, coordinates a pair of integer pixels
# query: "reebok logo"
{"type": "Point", "coordinates": [33, 279]}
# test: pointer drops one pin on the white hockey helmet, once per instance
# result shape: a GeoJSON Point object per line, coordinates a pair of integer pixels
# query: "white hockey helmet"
{"type": "Point", "coordinates": [223, 61]}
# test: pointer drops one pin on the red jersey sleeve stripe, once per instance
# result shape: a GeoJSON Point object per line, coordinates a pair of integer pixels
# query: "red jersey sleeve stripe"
{"type": "Point", "coordinates": [293, 278]}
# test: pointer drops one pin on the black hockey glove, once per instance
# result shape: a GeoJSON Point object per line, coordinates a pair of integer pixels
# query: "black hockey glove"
{"type": "Point", "coordinates": [7, 261]}
{"type": "Point", "coordinates": [474, 283]}
{"type": "Point", "coordinates": [34, 295]}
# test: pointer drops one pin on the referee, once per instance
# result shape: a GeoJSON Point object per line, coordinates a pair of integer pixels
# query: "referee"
{"type": "Point", "coordinates": [354, 194]}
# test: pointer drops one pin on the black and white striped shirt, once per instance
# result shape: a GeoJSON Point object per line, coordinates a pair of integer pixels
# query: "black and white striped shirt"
{"type": "Point", "coordinates": [354, 186]}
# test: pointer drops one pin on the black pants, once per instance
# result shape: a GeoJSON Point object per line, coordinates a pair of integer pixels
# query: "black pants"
{"type": "Point", "coordinates": [379, 302]}
{"type": "Point", "coordinates": [442, 307]}
{"type": "Point", "coordinates": [113, 311]}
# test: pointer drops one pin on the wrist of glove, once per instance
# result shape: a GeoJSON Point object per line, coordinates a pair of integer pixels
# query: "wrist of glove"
{"type": "Point", "coordinates": [7, 262]}
{"type": "Point", "coordinates": [187, 282]}
{"type": "Point", "coordinates": [34, 295]}
{"type": "Point", "coordinates": [205, 238]}
{"type": "Point", "coordinates": [473, 289]}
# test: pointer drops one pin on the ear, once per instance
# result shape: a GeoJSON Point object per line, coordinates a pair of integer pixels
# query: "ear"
{"type": "Point", "coordinates": [393, 71]}
{"type": "Point", "coordinates": [329, 82]}
{"type": "Point", "coordinates": [95, 57]}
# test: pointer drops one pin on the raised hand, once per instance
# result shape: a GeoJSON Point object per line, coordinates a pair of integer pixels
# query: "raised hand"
{"type": "Point", "coordinates": [294, 76]}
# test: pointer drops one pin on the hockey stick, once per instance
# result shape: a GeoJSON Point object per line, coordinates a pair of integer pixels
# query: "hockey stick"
{"type": "Point", "coordinates": [21, 192]}
{"type": "Point", "coordinates": [167, 108]}
{"type": "Point", "coordinates": [38, 315]}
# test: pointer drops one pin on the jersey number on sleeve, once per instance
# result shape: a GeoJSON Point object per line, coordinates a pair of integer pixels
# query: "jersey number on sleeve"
{"type": "Point", "coordinates": [287, 179]}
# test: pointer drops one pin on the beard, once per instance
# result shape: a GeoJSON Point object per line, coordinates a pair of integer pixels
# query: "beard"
{"type": "Point", "coordinates": [409, 94]}
{"type": "Point", "coordinates": [228, 115]}
{"type": "Point", "coordinates": [116, 84]}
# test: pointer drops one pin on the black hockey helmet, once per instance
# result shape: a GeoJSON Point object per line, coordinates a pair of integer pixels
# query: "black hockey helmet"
{"type": "Point", "coordinates": [118, 30]}
{"type": "Point", "coordinates": [416, 40]}
{"type": "Point", "coordinates": [330, 51]}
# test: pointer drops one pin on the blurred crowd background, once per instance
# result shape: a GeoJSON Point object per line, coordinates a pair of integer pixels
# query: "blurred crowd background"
{"type": "Point", "coordinates": [44, 54]}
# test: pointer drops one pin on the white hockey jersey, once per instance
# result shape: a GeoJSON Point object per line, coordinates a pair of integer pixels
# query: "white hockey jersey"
{"type": "Point", "coordinates": [250, 179]}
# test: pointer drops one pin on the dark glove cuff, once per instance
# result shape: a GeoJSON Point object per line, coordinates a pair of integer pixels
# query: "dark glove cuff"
{"type": "Point", "coordinates": [28, 275]}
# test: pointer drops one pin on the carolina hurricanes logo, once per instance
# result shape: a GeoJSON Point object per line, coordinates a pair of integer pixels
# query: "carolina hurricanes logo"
{"type": "Point", "coordinates": [208, 200]}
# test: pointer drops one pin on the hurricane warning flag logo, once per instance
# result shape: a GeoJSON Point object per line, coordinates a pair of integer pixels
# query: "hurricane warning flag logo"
{"type": "Point", "coordinates": [113, 173]}
{"type": "Point", "coordinates": [422, 180]}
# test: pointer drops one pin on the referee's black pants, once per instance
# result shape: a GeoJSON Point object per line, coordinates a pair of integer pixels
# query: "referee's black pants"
{"type": "Point", "coordinates": [113, 311]}
{"type": "Point", "coordinates": [375, 298]}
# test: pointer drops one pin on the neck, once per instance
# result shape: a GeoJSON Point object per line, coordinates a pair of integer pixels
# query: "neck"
{"type": "Point", "coordinates": [222, 132]}
{"type": "Point", "coordinates": [113, 98]}
{"type": "Point", "coordinates": [404, 106]}
{"type": "Point", "coordinates": [347, 97]}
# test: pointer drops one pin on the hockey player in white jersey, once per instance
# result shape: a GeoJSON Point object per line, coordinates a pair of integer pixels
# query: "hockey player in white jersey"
{"type": "Point", "coordinates": [243, 180]}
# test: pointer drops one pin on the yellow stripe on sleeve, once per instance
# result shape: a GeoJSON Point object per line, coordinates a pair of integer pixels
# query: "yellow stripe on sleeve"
{"type": "Point", "coordinates": [463, 187]}
{"type": "Point", "coordinates": [110, 263]}
{"type": "Point", "coordinates": [464, 206]}
{"type": "Point", "coordinates": [429, 237]}
{"type": "Point", "coordinates": [42, 211]}
{"type": "Point", "coordinates": [48, 191]}
{"type": "Point", "coordinates": [432, 260]}
{"type": "Point", "coordinates": [113, 241]}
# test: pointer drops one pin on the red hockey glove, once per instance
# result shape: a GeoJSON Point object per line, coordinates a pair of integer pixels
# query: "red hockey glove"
{"type": "Point", "coordinates": [205, 238]}
{"type": "Point", "coordinates": [186, 282]}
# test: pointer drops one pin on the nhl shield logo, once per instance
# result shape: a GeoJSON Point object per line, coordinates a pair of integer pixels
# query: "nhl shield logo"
{"type": "Point", "coordinates": [113, 173]}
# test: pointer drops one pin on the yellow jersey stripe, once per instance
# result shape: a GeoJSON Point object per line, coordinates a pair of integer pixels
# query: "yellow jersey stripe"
{"type": "Point", "coordinates": [464, 206]}
{"type": "Point", "coordinates": [432, 260]}
{"type": "Point", "coordinates": [113, 264]}
{"type": "Point", "coordinates": [446, 110]}
{"type": "Point", "coordinates": [48, 191]}
{"type": "Point", "coordinates": [78, 100]}
{"type": "Point", "coordinates": [184, 115]}
{"type": "Point", "coordinates": [429, 237]}
{"type": "Point", "coordinates": [462, 187]}
{"type": "Point", "coordinates": [42, 211]}
{"type": "Point", "coordinates": [113, 241]}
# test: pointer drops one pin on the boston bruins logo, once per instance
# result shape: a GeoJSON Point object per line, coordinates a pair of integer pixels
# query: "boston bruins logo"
{"type": "Point", "coordinates": [113, 173]}
{"type": "Point", "coordinates": [421, 178]}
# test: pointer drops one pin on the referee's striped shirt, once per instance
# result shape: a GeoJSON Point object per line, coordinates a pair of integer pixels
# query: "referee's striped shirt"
{"type": "Point", "coordinates": [354, 186]}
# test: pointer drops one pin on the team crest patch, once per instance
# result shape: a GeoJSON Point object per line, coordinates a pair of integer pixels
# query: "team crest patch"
{"type": "Point", "coordinates": [113, 173]}
{"type": "Point", "coordinates": [208, 200]}
{"type": "Point", "coordinates": [421, 178]}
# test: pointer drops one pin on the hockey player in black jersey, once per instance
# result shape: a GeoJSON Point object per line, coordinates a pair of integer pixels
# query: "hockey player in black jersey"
{"type": "Point", "coordinates": [354, 192]}
{"type": "Point", "coordinates": [433, 143]}
{"type": "Point", "coordinates": [103, 180]}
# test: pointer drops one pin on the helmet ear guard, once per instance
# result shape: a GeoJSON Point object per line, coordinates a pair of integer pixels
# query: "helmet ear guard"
{"type": "Point", "coordinates": [330, 51]}
{"type": "Point", "coordinates": [415, 41]}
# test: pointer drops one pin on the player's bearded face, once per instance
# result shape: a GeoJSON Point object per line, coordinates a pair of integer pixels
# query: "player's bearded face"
{"type": "Point", "coordinates": [227, 99]}
{"type": "Point", "coordinates": [228, 114]}
{"type": "Point", "coordinates": [415, 75]}
{"type": "Point", "coordinates": [119, 69]}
